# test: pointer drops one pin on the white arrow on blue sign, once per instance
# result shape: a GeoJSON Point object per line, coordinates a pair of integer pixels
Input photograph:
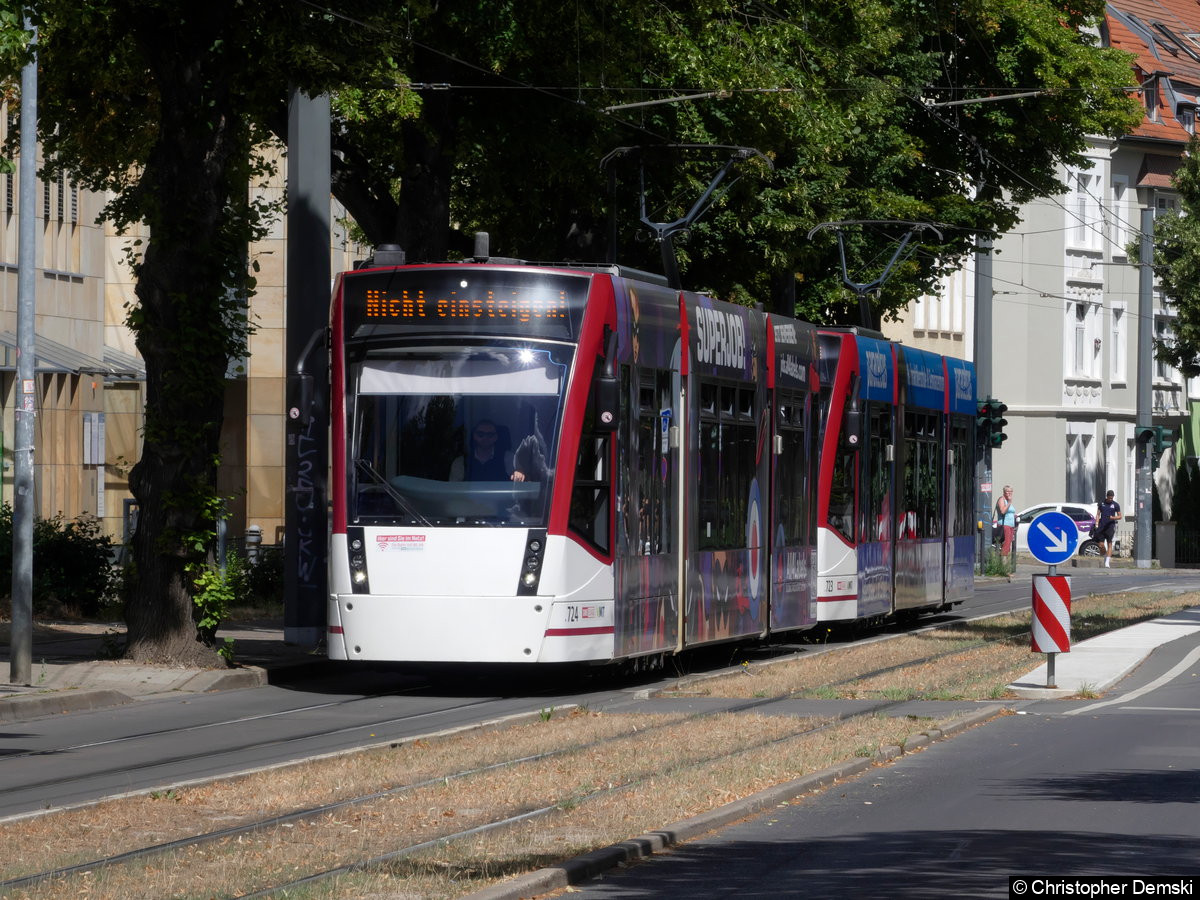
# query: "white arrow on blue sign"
{"type": "Point", "coordinates": [1053, 537]}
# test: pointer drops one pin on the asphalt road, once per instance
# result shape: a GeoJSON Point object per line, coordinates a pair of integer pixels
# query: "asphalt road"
{"type": "Point", "coordinates": [1078, 789]}
{"type": "Point", "coordinates": [71, 759]}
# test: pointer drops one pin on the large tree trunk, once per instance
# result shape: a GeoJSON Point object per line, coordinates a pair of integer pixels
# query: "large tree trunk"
{"type": "Point", "coordinates": [199, 217]}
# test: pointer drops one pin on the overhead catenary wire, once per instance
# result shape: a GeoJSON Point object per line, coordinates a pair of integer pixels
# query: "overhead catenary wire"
{"type": "Point", "coordinates": [931, 108]}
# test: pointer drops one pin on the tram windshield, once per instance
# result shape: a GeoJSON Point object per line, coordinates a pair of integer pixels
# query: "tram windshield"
{"type": "Point", "coordinates": [463, 435]}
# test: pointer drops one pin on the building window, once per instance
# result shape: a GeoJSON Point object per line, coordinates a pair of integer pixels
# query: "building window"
{"type": "Point", "coordinates": [1120, 215]}
{"type": "Point", "coordinates": [1162, 332]}
{"type": "Point", "coordinates": [1080, 339]}
{"type": "Point", "coordinates": [1166, 203]}
{"type": "Point", "coordinates": [1082, 344]}
{"type": "Point", "coordinates": [1187, 118]}
{"type": "Point", "coordinates": [1116, 349]}
{"type": "Point", "coordinates": [1084, 210]}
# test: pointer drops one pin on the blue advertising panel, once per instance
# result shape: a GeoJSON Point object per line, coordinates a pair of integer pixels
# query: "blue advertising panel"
{"type": "Point", "coordinates": [925, 378]}
{"type": "Point", "coordinates": [962, 386]}
{"type": "Point", "coordinates": [876, 369]}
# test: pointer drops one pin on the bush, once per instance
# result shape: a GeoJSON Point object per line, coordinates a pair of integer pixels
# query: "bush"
{"type": "Point", "coordinates": [264, 578]}
{"type": "Point", "coordinates": [72, 564]}
{"type": "Point", "coordinates": [254, 589]}
{"type": "Point", "coordinates": [996, 563]}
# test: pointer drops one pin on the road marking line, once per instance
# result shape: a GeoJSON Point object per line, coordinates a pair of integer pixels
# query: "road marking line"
{"type": "Point", "coordinates": [1186, 663]}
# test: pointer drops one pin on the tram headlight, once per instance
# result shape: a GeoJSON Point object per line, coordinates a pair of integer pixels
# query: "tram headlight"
{"type": "Point", "coordinates": [530, 579]}
{"type": "Point", "coordinates": [360, 577]}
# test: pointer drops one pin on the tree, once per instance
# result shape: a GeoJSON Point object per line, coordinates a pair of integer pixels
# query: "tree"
{"type": "Point", "coordinates": [165, 105]}
{"type": "Point", "coordinates": [1176, 265]}
{"type": "Point", "coordinates": [491, 115]}
{"type": "Point", "coordinates": [842, 96]}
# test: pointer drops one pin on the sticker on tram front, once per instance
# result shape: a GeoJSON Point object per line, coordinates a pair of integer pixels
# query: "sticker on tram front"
{"type": "Point", "coordinates": [400, 543]}
{"type": "Point", "coordinates": [581, 613]}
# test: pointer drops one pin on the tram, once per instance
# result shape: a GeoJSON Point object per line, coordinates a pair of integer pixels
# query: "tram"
{"type": "Point", "coordinates": [555, 464]}
{"type": "Point", "coordinates": [582, 464]}
{"type": "Point", "coordinates": [896, 523]}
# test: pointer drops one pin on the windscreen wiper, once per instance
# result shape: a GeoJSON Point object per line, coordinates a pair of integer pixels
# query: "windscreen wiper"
{"type": "Point", "coordinates": [364, 465]}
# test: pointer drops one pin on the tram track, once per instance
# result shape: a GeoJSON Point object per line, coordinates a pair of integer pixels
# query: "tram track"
{"type": "Point", "coordinates": [143, 855]}
{"type": "Point", "coordinates": [59, 781]}
{"type": "Point", "coordinates": [527, 810]}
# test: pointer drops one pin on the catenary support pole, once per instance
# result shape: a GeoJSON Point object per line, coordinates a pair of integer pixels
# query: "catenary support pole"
{"type": "Point", "coordinates": [983, 385]}
{"type": "Point", "coordinates": [306, 518]}
{"type": "Point", "coordinates": [21, 636]}
{"type": "Point", "coordinates": [1143, 503]}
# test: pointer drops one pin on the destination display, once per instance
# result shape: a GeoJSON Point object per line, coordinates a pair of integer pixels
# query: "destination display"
{"type": "Point", "coordinates": [535, 304]}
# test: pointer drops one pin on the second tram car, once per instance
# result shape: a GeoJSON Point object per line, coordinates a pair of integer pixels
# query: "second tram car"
{"type": "Point", "coordinates": [548, 464]}
{"type": "Point", "coordinates": [896, 523]}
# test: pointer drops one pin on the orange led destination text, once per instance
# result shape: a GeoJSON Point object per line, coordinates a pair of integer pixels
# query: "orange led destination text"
{"type": "Point", "coordinates": [415, 305]}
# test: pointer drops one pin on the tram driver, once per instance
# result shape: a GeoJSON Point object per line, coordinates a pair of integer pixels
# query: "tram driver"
{"type": "Point", "coordinates": [489, 458]}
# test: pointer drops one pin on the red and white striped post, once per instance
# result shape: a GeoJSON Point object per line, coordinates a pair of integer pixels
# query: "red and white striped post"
{"type": "Point", "coordinates": [1051, 629]}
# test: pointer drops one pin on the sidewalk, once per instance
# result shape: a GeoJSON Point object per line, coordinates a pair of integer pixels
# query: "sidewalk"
{"type": "Point", "coordinates": [1096, 664]}
{"type": "Point", "coordinates": [70, 672]}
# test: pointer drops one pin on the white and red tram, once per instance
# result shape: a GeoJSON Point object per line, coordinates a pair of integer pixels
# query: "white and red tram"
{"type": "Point", "coordinates": [896, 522]}
{"type": "Point", "coordinates": [551, 464]}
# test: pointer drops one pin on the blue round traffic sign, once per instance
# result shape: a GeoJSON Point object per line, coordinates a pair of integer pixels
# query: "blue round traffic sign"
{"type": "Point", "coordinates": [1053, 537]}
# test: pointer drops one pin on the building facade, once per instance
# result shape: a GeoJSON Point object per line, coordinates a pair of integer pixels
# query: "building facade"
{"type": "Point", "coordinates": [90, 383]}
{"type": "Point", "coordinates": [1065, 304]}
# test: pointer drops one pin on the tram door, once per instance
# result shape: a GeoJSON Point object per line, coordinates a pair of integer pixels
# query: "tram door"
{"type": "Point", "coordinates": [877, 527]}
{"type": "Point", "coordinates": [647, 468]}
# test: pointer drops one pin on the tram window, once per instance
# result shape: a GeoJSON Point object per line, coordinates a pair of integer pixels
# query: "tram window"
{"type": "Point", "coordinates": [791, 483]}
{"type": "Point", "coordinates": [746, 403]}
{"type": "Point", "coordinates": [589, 496]}
{"type": "Point", "coordinates": [419, 413]}
{"type": "Point", "coordinates": [708, 489]}
{"type": "Point", "coordinates": [923, 474]}
{"type": "Point", "coordinates": [959, 482]}
{"type": "Point", "coordinates": [728, 398]}
{"type": "Point", "coordinates": [727, 459]}
{"type": "Point", "coordinates": [841, 489]}
{"type": "Point", "coordinates": [708, 398]}
{"type": "Point", "coordinates": [653, 477]}
{"type": "Point", "coordinates": [877, 474]}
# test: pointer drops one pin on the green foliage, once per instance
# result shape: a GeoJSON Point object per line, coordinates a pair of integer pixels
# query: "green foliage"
{"type": "Point", "coordinates": [840, 95]}
{"type": "Point", "coordinates": [72, 564]}
{"type": "Point", "coordinates": [264, 578]}
{"type": "Point", "coordinates": [215, 592]}
{"type": "Point", "coordinates": [996, 563]}
{"type": "Point", "coordinates": [168, 107]}
{"type": "Point", "coordinates": [1177, 268]}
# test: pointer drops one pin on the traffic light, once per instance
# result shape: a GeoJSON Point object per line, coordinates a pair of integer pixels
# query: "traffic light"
{"type": "Point", "coordinates": [998, 437]}
{"type": "Point", "coordinates": [990, 422]}
{"type": "Point", "coordinates": [1157, 440]}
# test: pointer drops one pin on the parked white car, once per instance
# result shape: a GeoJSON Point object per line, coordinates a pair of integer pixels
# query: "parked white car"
{"type": "Point", "coordinates": [1080, 513]}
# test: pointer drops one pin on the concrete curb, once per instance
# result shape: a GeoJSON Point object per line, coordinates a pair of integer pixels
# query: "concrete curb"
{"type": "Point", "coordinates": [52, 703]}
{"type": "Point", "coordinates": [51, 700]}
{"type": "Point", "coordinates": [582, 868]}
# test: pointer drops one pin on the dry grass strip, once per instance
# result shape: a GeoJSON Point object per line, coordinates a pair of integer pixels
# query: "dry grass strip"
{"type": "Point", "coordinates": [673, 767]}
{"type": "Point", "coordinates": [992, 653]}
{"type": "Point", "coordinates": [673, 776]}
